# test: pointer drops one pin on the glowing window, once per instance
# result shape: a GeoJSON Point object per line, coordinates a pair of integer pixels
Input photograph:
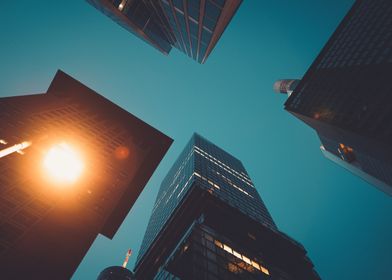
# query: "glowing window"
{"type": "Point", "coordinates": [227, 249]}
{"type": "Point", "coordinates": [217, 243]}
{"type": "Point", "coordinates": [256, 265]}
{"type": "Point", "coordinates": [247, 260]}
{"type": "Point", "coordinates": [238, 255]}
{"type": "Point", "coordinates": [264, 270]}
{"type": "Point", "coordinates": [242, 257]}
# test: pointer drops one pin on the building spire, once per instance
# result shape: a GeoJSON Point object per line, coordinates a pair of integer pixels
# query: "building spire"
{"type": "Point", "coordinates": [129, 253]}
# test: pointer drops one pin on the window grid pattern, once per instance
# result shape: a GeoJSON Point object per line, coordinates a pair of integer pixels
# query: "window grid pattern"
{"type": "Point", "coordinates": [348, 84]}
{"type": "Point", "coordinates": [21, 204]}
{"type": "Point", "coordinates": [225, 177]}
{"type": "Point", "coordinates": [203, 256]}
{"type": "Point", "coordinates": [188, 25]}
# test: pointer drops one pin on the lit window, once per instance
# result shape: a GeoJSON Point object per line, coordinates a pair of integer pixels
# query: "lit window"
{"type": "Point", "coordinates": [122, 4]}
{"type": "Point", "coordinates": [227, 249]}
{"type": "Point", "coordinates": [346, 153]}
{"type": "Point", "coordinates": [247, 260]}
{"type": "Point", "coordinates": [243, 258]}
{"type": "Point", "coordinates": [264, 270]}
{"type": "Point", "coordinates": [219, 244]}
{"type": "Point", "coordinates": [238, 255]}
{"type": "Point", "coordinates": [256, 265]}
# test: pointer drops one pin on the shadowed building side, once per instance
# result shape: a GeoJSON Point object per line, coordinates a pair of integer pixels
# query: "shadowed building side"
{"type": "Point", "coordinates": [345, 94]}
{"type": "Point", "coordinates": [49, 225]}
{"type": "Point", "coordinates": [192, 26]}
{"type": "Point", "coordinates": [209, 222]}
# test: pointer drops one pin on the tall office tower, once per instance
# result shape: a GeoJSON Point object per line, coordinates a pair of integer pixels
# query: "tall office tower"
{"type": "Point", "coordinates": [192, 26]}
{"type": "Point", "coordinates": [346, 93]}
{"type": "Point", "coordinates": [209, 222]}
{"type": "Point", "coordinates": [87, 163]}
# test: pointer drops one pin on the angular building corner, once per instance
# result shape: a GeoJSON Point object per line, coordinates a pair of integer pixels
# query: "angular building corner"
{"type": "Point", "coordinates": [346, 94]}
{"type": "Point", "coordinates": [46, 225]}
{"type": "Point", "coordinates": [209, 222]}
{"type": "Point", "coordinates": [192, 26]}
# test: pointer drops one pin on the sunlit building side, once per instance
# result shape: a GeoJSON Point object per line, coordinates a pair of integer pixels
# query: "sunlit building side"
{"type": "Point", "coordinates": [192, 26]}
{"type": "Point", "coordinates": [209, 222]}
{"type": "Point", "coordinates": [346, 94]}
{"type": "Point", "coordinates": [87, 162]}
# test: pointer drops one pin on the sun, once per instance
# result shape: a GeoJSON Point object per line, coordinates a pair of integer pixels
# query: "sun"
{"type": "Point", "coordinates": [62, 164]}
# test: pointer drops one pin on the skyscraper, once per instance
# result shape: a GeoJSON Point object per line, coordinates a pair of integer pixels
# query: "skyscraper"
{"type": "Point", "coordinates": [209, 222]}
{"type": "Point", "coordinates": [48, 217]}
{"type": "Point", "coordinates": [346, 94]}
{"type": "Point", "coordinates": [192, 26]}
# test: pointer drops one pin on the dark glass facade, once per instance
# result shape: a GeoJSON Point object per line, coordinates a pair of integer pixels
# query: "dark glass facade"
{"type": "Point", "coordinates": [345, 94]}
{"type": "Point", "coordinates": [47, 227]}
{"type": "Point", "coordinates": [192, 26]}
{"type": "Point", "coordinates": [209, 222]}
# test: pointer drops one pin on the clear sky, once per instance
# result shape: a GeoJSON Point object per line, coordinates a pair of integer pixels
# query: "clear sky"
{"type": "Point", "coordinates": [343, 222]}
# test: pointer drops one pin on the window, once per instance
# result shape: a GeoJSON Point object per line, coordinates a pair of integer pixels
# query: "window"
{"type": "Point", "coordinates": [234, 268]}
{"type": "Point", "coordinates": [346, 153]}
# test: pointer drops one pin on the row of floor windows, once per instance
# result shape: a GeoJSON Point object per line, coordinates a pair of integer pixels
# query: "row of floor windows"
{"type": "Point", "coordinates": [247, 260]}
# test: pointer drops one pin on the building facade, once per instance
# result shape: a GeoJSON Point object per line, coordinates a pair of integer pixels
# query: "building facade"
{"type": "Point", "coordinates": [192, 26]}
{"type": "Point", "coordinates": [209, 222]}
{"type": "Point", "coordinates": [345, 94]}
{"type": "Point", "coordinates": [46, 227]}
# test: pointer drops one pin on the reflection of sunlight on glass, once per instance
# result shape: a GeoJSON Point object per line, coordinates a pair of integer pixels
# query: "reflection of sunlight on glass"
{"type": "Point", "coordinates": [62, 164]}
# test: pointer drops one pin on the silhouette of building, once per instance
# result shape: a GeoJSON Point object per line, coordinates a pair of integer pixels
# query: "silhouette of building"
{"type": "Point", "coordinates": [345, 94]}
{"type": "Point", "coordinates": [116, 273]}
{"type": "Point", "coordinates": [192, 26]}
{"type": "Point", "coordinates": [46, 227]}
{"type": "Point", "coordinates": [209, 222]}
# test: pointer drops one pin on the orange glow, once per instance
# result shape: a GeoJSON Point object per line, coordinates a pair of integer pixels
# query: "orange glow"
{"type": "Point", "coordinates": [245, 260]}
{"type": "Point", "coordinates": [62, 164]}
{"type": "Point", "coordinates": [121, 152]}
{"type": "Point", "coordinates": [18, 148]}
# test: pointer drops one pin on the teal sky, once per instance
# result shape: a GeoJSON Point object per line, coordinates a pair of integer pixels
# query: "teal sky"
{"type": "Point", "coordinates": [343, 222]}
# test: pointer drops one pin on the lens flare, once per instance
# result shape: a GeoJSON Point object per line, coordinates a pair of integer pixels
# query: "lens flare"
{"type": "Point", "coordinates": [62, 164]}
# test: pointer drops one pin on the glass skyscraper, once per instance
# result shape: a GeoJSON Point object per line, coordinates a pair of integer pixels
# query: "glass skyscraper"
{"type": "Point", "coordinates": [192, 26]}
{"type": "Point", "coordinates": [346, 93]}
{"type": "Point", "coordinates": [209, 222]}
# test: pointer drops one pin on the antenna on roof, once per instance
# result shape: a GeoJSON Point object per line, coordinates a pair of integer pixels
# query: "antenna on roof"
{"type": "Point", "coordinates": [129, 253]}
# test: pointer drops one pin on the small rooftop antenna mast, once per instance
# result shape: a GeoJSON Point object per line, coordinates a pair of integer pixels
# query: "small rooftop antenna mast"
{"type": "Point", "coordinates": [129, 253]}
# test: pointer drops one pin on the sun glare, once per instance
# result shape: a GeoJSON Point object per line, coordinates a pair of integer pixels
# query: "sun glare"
{"type": "Point", "coordinates": [62, 164]}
